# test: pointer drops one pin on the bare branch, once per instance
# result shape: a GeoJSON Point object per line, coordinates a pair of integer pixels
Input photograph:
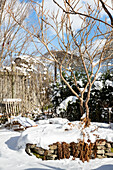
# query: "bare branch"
{"type": "Point", "coordinates": [79, 13]}
{"type": "Point", "coordinates": [106, 10]}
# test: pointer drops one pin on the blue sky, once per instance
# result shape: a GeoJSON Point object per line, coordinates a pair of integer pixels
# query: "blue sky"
{"type": "Point", "coordinates": [49, 5]}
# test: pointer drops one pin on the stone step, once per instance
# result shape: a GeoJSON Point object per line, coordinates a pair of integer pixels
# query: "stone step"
{"type": "Point", "coordinates": [52, 157]}
{"type": "Point", "coordinates": [100, 152]}
{"type": "Point", "coordinates": [108, 145]}
{"type": "Point", "coordinates": [53, 147]}
{"type": "Point", "coordinates": [110, 155]}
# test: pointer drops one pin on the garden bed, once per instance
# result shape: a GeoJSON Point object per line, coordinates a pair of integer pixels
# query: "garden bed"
{"type": "Point", "coordinates": [100, 149]}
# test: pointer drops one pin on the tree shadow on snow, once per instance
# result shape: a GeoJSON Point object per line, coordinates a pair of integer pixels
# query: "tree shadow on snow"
{"type": "Point", "coordinates": [52, 168]}
{"type": "Point", "coordinates": [46, 166]}
{"type": "Point", "coordinates": [104, 127]}
{"type": "Point", "coordinates": [105, 167]}
{"type": "Point", "coordinates": [12, 143]}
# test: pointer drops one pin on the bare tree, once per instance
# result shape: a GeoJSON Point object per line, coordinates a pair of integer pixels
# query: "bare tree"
{"type": "Point", "coordinates": [12, 38]}
{"type": "Point", "coordinates": [86, 46]}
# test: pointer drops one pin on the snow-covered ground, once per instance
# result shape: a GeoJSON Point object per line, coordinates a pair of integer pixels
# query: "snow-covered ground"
{"type": "Point", "coordinates": [14, 157]}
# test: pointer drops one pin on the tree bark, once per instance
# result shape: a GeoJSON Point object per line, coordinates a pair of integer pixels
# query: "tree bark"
{"type": "Point", "coordinates": [81, 106]}
{"type": "Point", "coordinates": [87, 100]}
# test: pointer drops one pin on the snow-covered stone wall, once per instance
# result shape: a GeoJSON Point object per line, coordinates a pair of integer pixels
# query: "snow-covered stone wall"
{"type": "Point", "coordinates": [99, 149]}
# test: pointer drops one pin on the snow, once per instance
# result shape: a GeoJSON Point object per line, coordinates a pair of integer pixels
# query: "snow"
{"type": "Point", "coordinates": [45, 72]}
{"type": "Point", "coordinates": [11, 100]}
{"type": "Point", "coordinates": [109, 83]}
{"type": "Point", "coordinates": [63, 105]}
{"type": "Point", "coordinates": [99, 75]}
{"type": "Point", "coordinates": [37, 110]}
{"type": "Point", "coordinates": [24, 121]}
{"type": "Point", "coordinates": [59, 121]}
{"type": "Point", "coordinates": [7, 68]}
{"type": "Point", "coordinates": [57, 129]}
{"type": "Point", "coordinates": [24, 65]}
{"type": "Point", "coordinates": [83, 116]}
{"type": "Point", "coordinates": [58, 94]}
{"type": "Point", "coordinates": [80, 82]}
{"type": "Point", "coordinates": [12, 146]}
{"type": "Point", "coordinates": [30, 60]}
{"type": "Point", "coordinates": [98, 85]}
{"type": "Point", "coordinates": [47, 130]}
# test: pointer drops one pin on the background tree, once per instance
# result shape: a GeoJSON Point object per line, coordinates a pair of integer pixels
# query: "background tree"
{"type": "Point", "coordinates": [13, 39]}
{"type": "Point", "coordinates": [101, 98]}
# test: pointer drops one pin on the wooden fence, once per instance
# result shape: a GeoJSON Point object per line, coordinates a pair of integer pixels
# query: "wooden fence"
{"type": "Point", "coordinates": [17, 85]}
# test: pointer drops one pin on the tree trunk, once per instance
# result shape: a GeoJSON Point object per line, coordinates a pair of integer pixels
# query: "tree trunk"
{"type": "Point", "coordinates": [87, 120]}
{"type": "Point", "coordinates": [87, 100]}
{"type": "Point", "coordinates": [81, 108]}
{"type": "Point", "coordinates": [55, 71]}
{"type": "Point", "coordinates": [87, 109]}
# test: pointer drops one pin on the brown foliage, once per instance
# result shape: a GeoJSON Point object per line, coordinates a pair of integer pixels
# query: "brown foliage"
{"type": "Point", "coordinates": [65, 150]}
{"type": "Point", "coordinates": [74, 150]}
{"type": "Point", "coordinates": [59, 150]}
{"type": "Point", "coordinates": [86, 121]}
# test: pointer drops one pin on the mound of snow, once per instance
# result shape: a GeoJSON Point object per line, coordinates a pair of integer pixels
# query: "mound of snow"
{"type": "Point", "coordinates": [60, 121]}
{"type": "Point", "coordinates": [61, 130]}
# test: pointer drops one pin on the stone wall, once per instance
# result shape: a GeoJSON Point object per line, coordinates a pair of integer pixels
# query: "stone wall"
{"type": "Point", "coordinates": [104, 149]}
{"type": "Point", "coordinates": [99, 149]}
